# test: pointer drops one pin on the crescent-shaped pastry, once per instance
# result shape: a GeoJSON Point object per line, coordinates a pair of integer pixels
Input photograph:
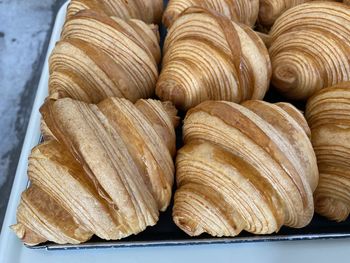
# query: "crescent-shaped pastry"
{"type": "Point", "coordinates": [328, 113]}
{"type": "Point", "coordinates": [244, 167]}
{"type": "Point", "coordinates": [109, 171]}
{"type": "Point", "coordinates": [243, 11]}
{"type": "Point", "coordinates": [100, 57]}
{"type": "Point", "coordinates": [210, 57]}
{"type": "Point", "coordinates": [150, 11]}
{"type": "Point", "coordinates": [310, 48]}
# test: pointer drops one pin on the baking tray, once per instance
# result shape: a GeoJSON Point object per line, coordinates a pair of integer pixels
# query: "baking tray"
{"type": "Point", "coordinates": [166, 233]}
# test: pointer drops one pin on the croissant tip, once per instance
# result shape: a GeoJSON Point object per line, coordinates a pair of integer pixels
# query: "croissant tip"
{"type": "Point", "coordinates": [171, 91]}
{"type": "Point", "coordinates": [284, 74]}
{"type": "Point", "coordinates": [172, 112]}
{"type": "Point", "coordinates": [168, 18]}
{"type": "Point", "coordinates": [332, 209]}
{"type": "Point", "coordinates": [19, 230]}
{"type": "Point", "coordinates": [155, 29]}
{"type": "Point", "coordinates": [186, 226]}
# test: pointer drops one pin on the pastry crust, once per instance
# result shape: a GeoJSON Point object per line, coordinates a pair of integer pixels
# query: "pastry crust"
{"type": "Point", "coordinates": [150, 11]}
{"type": "Point", "coordinates": [100, 57]}
{"type": "Point", "coordinates": [242, 11]}
{"type": "Point", "coordinates": [328, 115]}
{"type": "Point", "coordinates": [310, 48]}
{"type": "Point", "coordinates": [108, 172]}
{"type": "Point", "coordinates": [210, 57]}
{"type": "Point", "coordinates": [243, 167]}
{"type": "Point", "coordinates": [270, 10]}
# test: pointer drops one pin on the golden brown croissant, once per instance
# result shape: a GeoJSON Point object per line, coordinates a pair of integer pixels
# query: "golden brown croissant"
{"type": "Point", "coordinates": [100, 57]}
{"type": "Point", "coordinates": [328, 113]}
{"type": "Point", "coordinates": [310, 48]}
{"type": "Point", "coordinates": [209, 57]}
{"type": "Point", "coordinates": [249, 167]}
{"type": "Point", "coordinates": [109, 172]}
{"type": "Point", "coordinates": [149, 11]}
{"type": "Point", "coordinates": [244, 11]}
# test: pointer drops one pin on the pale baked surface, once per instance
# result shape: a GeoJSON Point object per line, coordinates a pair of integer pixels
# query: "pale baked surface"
{"type": "Point", "coordinates": [100, 56]}
{"type": "Point", "coordinates": [310, 47]}
{"type": "Point", "coordinates": [244, 167]}
{"type": "Point", "coordinates": [328, 115]}
{"type": "Point", "coordinates": [243, 11]}
{"type": "Point", "coordinates": [209, 57]}
{"type": "Point", "coordinates": [106, 168]}
{"type": "Point", "coordinates": [109, 171]}
{"type": "Point", "coordinates": [149, 11]}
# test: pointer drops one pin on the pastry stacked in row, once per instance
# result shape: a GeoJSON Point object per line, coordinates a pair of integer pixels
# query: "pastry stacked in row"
{"type": "Point", "coordinates": [207, 56]}
{"type": "Point", "coordinates": [308, 50]}
{"type": "Point", "coordinates": [264, 12]}
{"type": "Point", "coordinates": [106, 167]}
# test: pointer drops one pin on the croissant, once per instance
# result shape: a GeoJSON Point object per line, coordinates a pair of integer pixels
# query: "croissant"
{"type": "Point", "coordinates": [100, 57]}
{"type": "Point", "coordinates": [243, 11]}
{"type": "Point", "coordinates": [109, 172]}
{"type": "Point", "coordinates": [328, 115]}
{"type": "Point", "coordinates": [310, 48]}
{"type": "Point", "coordinates": [209, 57]}
{"type": "Point", "coordinates": [244, 167]}
{"type": "Point", "coordinates": [150, 11]}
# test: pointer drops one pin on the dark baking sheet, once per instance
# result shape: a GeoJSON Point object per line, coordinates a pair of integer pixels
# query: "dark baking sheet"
{"type": "Point", "coordinates": [166, 233]}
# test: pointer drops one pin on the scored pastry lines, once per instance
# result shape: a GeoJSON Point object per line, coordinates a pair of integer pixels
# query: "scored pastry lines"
{"type": "Point", "coordinates": [92, 153]}
{"type": "Point", "coordinates": [255, 141]}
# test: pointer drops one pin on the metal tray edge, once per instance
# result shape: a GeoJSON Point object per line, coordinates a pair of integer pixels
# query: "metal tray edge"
{"type": "Point", "coordinates": [194, 241]}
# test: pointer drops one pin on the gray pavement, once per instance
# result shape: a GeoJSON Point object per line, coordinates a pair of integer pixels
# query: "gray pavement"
{"type": "Point", "coordinates": [25, 29]}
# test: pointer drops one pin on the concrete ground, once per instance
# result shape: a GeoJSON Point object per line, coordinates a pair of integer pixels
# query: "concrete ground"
{"type": "Point", "coordinates": [25, 29]}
